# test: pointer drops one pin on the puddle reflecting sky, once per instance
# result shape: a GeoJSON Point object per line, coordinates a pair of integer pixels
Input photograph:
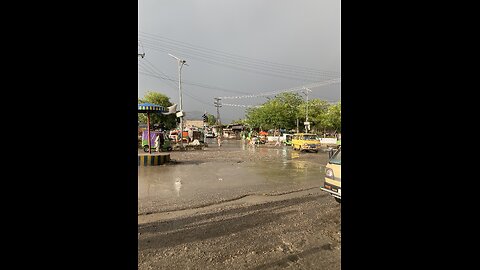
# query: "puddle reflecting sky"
{"type": "Point", "coordinates": [272, 168]}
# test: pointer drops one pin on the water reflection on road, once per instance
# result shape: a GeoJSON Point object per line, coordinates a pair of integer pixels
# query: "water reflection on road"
{"type": "Point", "coordinates": [239, 169]}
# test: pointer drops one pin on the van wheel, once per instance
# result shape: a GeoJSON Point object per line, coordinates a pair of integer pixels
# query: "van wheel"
{"type": "Point", "coordinates": [338, 200]}
{"type": "Point", "coordinates": [146, 148]}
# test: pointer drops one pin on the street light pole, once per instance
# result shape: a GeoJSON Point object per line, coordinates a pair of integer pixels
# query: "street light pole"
{"type": "Point", "coordinates": [307, 124]}
{"type": "Point", "coordinates": [180, 63]}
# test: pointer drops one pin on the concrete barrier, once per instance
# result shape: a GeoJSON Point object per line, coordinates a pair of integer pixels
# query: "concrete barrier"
{"type": "Point", "coordinates": [328, 141]}
{"type": "Point", "coordinates": [153, 160]}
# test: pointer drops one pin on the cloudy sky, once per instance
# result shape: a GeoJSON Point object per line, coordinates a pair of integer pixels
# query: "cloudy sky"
{"type": "Point", "coordinates": [238, 48]}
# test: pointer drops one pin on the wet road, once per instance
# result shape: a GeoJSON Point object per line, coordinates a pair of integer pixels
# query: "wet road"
{"type": "Point", "coordinates": [202, 177]}
{"type": "Point", "coordinates": [237, 207]}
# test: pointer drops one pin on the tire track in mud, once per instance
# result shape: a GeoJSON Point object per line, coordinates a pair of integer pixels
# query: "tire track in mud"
{"type": "Point", "coordinates": [250, 199]}
{"type": "Point", "coordinates": [295, 230]}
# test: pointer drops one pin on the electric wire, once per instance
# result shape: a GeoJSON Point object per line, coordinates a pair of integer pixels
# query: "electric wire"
{"type": "Point", "coordinates": [176, 43]}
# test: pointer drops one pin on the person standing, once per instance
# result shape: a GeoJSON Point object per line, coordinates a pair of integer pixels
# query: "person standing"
{"type": "Point", "coordinates": [278, 141]}
{"type": "Point", "coordinates": [157, 142]}
{"type": "Point", "coordinates": [219, 141]}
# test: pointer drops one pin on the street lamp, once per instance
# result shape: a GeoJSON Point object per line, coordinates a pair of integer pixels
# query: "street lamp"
{"type": "Point", "coordinates": [180, 62]}
{"type": "Point", "coordinates": [306, 123]}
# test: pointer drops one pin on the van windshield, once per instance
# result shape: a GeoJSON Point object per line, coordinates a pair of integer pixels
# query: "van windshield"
{"type": "Point", "coordinates": [309, 137]}
{"type": "Point", "coordinates": [336, 158]}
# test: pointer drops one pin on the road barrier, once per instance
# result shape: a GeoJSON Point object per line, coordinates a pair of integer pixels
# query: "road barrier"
{"type": "Point", "coordinates": [153, 160]}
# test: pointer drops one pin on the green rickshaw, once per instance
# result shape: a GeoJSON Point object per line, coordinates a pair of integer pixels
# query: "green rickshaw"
{"type": "Point", "coordinates": [164, 140]}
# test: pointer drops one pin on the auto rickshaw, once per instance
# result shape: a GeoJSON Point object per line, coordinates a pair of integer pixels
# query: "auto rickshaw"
{"type": "Point", "coordinates": [165, 144]}
{"type": "Point", "coordinates": [333, 177]}
{"type": "Point", "coordinates": [287, 139]}
{"type": "Point", "coordinates": [262, 137]}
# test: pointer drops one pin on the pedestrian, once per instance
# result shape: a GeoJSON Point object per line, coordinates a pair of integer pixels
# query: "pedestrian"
{"type": "Point", "coordinates": [278, 141]}
{"type": "Point", "coordinates": [157, 142]}
{"type": "Point", "coordinates": [162, 140]}
{"type": "Point", "coordinates": [219, 141]}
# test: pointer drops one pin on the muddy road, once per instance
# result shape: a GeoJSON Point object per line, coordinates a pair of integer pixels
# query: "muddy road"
{"type": "Point", "coordinates": [237, 207]}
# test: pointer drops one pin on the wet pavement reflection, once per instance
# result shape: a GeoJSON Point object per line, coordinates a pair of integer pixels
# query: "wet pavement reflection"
{"type": "Point", "coordinates": [229, 171]}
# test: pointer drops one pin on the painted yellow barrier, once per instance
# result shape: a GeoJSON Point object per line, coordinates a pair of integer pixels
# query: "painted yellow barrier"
{"type": "Point", "coordinates": [153, 160]}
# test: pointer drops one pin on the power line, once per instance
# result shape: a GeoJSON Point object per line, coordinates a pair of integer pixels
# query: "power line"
{"type": "Point", "coordinates": [236, 67]}
{"type": "Point", "coordinates": [174, 87]}
{"type": "Point", "coordinates": [199, 85]}
{"type": "Point", "coordinates": [298, 88]}
{"type": "Point", "coordinates": [159, 71]}
{"type": "Point", "coordinates": [241, 105]}
{"type": "Point", "coordinates": [225, 54]}
{"type": "Point", "coordinates": [191, 83]}
{"type": "Point", "coordinates": [245, 67]}
{"type": "Point", "coordinates": [245, 63]}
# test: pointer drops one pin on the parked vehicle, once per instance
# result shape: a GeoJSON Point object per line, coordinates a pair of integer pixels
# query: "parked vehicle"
{"type": "Point", "coordinates": [333, 177]}
{"type": "Point", "coordinates": [262, 137]}
{"type": "Point", "coordinates": [210, 134]}
{"type": "Point", "coordinates": [305, 141]}
{"type": "Point", "coordinates": [287, 139]}
{"type": "Point", "coordinates": [164, 139]}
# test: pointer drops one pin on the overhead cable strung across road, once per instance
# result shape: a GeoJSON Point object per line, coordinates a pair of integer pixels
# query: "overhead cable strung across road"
{"type": "Point", "coordinates": [243, 63]}
{"type": "Point", "coordinates": [164, 76]}
{"type": "Point", "coordinates": [298, 88]}
{"type": "Point", "coordinates": [243, 106]}
{"type": "Point", "coordinates": [165, 42]}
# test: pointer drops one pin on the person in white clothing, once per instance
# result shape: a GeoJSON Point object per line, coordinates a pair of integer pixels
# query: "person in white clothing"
{"type": "Point", "coordinates": [157, 143]}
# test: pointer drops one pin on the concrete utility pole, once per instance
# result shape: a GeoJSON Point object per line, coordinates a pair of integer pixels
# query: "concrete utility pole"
{"type": "Point", "coordinates": [217, 104]}
{"type": "Point", "coordinates": [180, 62]}
{"type": "Point", "coordinates": [205, 122]}
{"type": "Point", "coordinates": [306, 123]}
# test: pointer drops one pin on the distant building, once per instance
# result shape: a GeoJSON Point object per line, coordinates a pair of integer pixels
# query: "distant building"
{"type": "Point", "coordinates": [193, 123]}
{"type": "Point", "coordinates": [233, 131]}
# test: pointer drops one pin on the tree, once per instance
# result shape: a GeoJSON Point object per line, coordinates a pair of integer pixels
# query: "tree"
{"type": "Point", "coordinates": [284, 110]}
{"type": "Point", "coordinates": [166, 122]}
{"type": "Point", "coordinates": [212, 120]}
{"type": "Point", "coordinates": [239, 122]}
{"type": "Point", "coordinates": [276, 113]}
{"type": "Point", "coordinates": [317, 110]}
{"type": "Point", "coordinates": [333, 118]}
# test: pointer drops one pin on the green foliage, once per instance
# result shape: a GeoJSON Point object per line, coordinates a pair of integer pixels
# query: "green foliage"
{"type": "Point", "coordinates": [211, 120]}
{"type": "Point", "coordinates": [317, 109]}
{"type": "Point", "coordinates": [166, 121]}
{"type": "Point", "coordinates": [239, 122]}
{"type": "Point", "coordinates": [279, 112]}
{"type": "Point", "coordinates": [284, 110]}
{"type": "Point", "coordinates": [333, 118]}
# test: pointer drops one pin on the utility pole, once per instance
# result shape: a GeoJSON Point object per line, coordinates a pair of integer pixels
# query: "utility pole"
{"type": "Point", "coordinates": [306, 123]}
{"type": "Point", "coordinates": [205, 123]}
{"type": "Point", "coordinates": [217, 104]}
{"type": "Point", "coordinates": [180, 62]}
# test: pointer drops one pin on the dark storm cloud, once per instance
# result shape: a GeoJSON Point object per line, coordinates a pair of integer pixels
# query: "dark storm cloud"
{"type": "Point", "coordinates": [300, 33]}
